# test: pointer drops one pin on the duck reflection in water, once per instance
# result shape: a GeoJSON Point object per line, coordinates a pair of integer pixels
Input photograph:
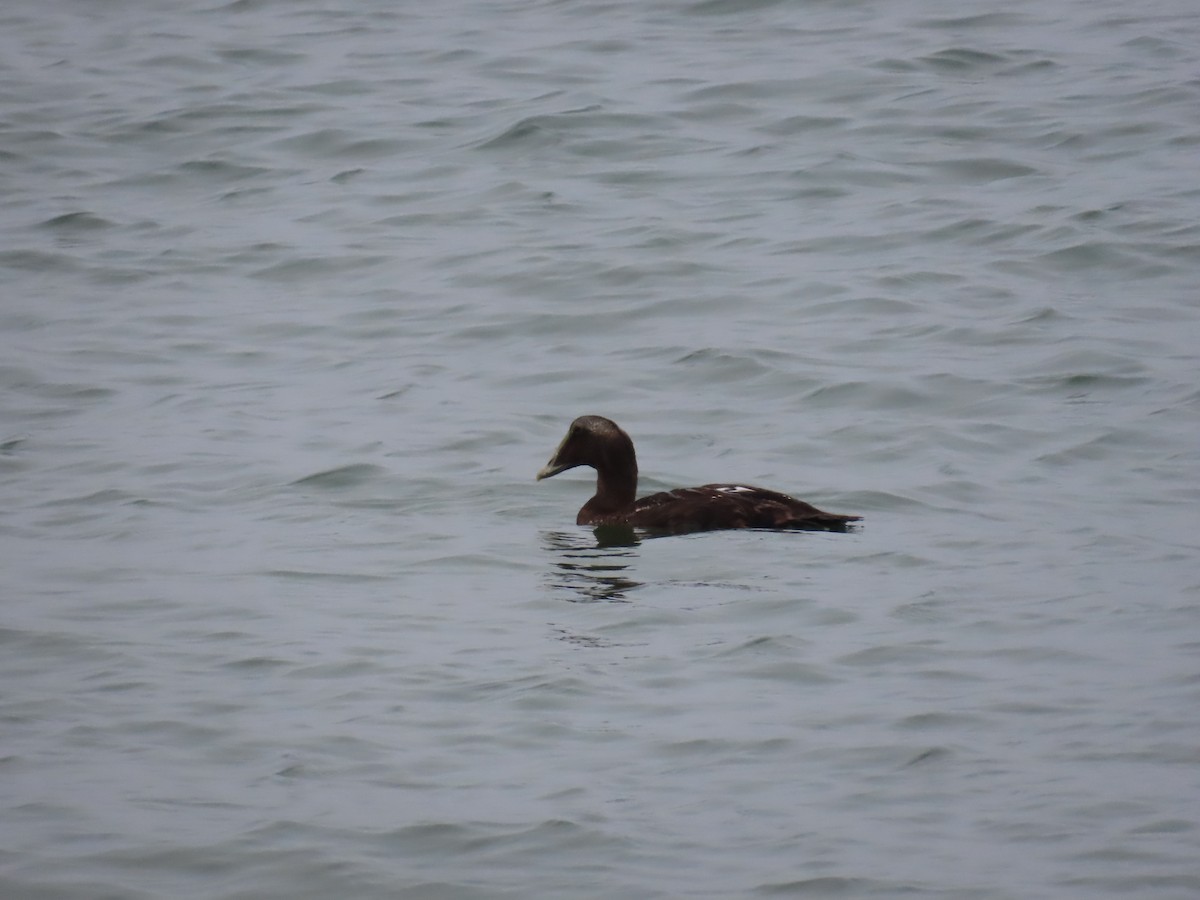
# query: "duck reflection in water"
{"type": "Point", "coordinates": [592, 571]}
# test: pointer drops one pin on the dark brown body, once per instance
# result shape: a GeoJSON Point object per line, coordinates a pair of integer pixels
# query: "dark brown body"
{"type": "Point", "coordinates": [598, 442]}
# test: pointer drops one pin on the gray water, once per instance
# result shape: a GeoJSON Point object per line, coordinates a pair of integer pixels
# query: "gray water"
{"type": "Point", "coordinates": [297, 298]}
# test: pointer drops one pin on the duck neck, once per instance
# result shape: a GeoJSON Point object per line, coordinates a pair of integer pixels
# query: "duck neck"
{"type": "Point", "coordinates": [616, 485]}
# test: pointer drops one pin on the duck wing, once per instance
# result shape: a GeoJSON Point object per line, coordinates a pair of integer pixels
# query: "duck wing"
{"type": "Point", "coordinates": [713, 506]}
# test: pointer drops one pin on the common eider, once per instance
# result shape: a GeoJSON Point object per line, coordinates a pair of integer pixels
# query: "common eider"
{"type": "Point", "coordinates": [598, 442]}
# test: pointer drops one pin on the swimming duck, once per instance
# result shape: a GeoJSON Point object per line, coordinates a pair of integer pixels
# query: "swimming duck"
{"type": "Point", "coordinates": [598, 442]}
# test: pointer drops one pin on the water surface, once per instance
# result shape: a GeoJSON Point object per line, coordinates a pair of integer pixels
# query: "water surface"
{"type": "Point", "coordinates": [298, 298]}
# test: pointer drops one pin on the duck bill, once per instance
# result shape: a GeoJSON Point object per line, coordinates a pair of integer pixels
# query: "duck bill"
{"type": "Point", "coordinates": [556, 465]}
{"type": "Point", "coordinates": [551, 468]}
{"type": "Point", "coordinates": [560, 461]}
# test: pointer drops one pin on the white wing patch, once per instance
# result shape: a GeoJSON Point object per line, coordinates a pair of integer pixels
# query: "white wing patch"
{"type": "Point", "coordinates": [734, 489]}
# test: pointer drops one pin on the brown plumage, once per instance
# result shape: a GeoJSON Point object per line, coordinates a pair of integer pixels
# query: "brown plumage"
{"type": "Point", "coordinates": [597, 442]}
